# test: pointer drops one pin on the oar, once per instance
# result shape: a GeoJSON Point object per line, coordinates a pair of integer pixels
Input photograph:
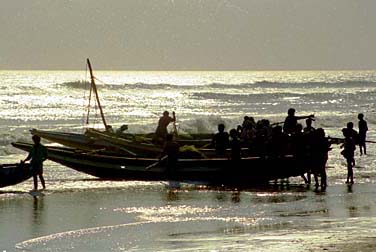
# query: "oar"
{"type": "Point", "coordinates": [174, 124]}
{"type": "Point", "coordinates": [276, 123]}
{"type": "Point", "coordinates": [155, 163]}
{"type": "Point", "coordinates": [343, 139]}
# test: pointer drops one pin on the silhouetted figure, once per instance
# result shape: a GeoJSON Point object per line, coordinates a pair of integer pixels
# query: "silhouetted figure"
{"type": "Point", "coordinates": [352, 133]}
{"type": "Point", "coordinates": [309, 136]}
{"type": "Point", "coordinates": [348, 153]}
{"type": "Point", "coordinates": [171, 150]}
{"type": "Point", "coordinates": [161, 131]}
{"type": "Point", "coordinates": [277, 143]}
{"type": "Point", "coordinates": [363, 128]}
{"type": "Point", "coordinates": [259, 142]}
{"type": "Point", "coordinates": [248, 128]}
{"type": "Point", "coordinates": [319, 152]}
{"type": "Point", "coordinates": [220, 140]}
{"type": "Point", "coordinates": [109, 129]}
{"type": "Point", "coordinates": [308, 128]}
{"type": "Point", "coordinates": [246, 122]}
{"type": "Point", "coordinates": [121, 130]}
{"type": "Point", "coordinates": [235, 145]}
{"type": "Point", "coordinates": [37, 155]}
{"type": "Point", "coordinates": [291, 121]}
{"type": "Point", "coordinates": [299, 149]}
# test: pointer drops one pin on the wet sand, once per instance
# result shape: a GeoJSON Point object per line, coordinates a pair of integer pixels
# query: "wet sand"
{"type": "Point", "coordinates": [135, 216]}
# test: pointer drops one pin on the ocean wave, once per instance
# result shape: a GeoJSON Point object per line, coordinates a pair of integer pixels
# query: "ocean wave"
{"type": "Point", "coordinates": [258, 84]}
{"type": "Point", "coordinates": [310, 84]}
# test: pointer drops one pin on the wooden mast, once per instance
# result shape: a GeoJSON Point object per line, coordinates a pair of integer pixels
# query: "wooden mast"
{"type": "Point", "coordinates": [94, 87]}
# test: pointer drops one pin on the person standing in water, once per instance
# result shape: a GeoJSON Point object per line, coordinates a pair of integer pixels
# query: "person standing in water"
{"type": "Point", "coordinates": [319, 152]}
{"type": "Point", "coordinates": [37, 155]}
{"type": "Point", "coordinates": [348, 153]}
{"type": "Point", "coordinates": [171, 152]}
{"type": "Point", "coordinates": [363, 128]}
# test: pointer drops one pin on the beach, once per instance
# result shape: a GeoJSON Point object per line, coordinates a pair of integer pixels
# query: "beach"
{"type": "Point", "coordinates": [136, 216]}
{"type": "Point", "coordinates": [78, 212]}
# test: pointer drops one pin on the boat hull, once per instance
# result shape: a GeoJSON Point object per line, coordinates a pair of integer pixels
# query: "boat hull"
{"type": "Point", "coordinates": [214, 170]}
{"type": "Point", "coordinates": [12, 174]}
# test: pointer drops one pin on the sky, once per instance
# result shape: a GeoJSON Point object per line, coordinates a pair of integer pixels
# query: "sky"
{"type": "Point", "coordinates": [188, 34]}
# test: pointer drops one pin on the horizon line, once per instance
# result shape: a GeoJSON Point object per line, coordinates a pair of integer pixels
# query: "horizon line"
{"type": "Point", "coordinates": [195, 70]}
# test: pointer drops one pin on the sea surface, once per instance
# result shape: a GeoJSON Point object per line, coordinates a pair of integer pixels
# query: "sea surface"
{"type": "Point", "coordinates": [78, 212]}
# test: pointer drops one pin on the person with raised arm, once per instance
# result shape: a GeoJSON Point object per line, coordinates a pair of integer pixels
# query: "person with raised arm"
{"type": "Point", "coordinates": [292, 120]}
{"type": "Point", "coordinates": [161, 131]}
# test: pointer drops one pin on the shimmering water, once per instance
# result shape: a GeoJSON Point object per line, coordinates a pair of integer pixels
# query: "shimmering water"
{"type": "Point", "coordinates": [81, 213]}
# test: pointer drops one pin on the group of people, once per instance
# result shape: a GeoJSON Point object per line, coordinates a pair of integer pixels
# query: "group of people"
{"type": "Point", "coordinates": [310, 146]}
{"type": "Point", "coordinates": [353, 138]}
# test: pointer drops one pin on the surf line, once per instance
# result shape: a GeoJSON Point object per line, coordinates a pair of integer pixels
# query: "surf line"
{"type": "Point", "coordinates": [78, 232]}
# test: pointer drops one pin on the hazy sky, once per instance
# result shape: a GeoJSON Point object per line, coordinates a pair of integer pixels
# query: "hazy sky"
{"type": "Point", "coordinates": [188, 34]}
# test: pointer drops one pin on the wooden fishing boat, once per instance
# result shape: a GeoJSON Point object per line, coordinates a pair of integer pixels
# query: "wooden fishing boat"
{"type": "Point", "coordinates": [198, 140]}
{"type": "Point", "coordinates": [94, 139]}
{"type": "Point", "coordinates": [11, 174]}
{"type": "Point", "coordinates": [246, 171]}
{"type": "Point", "coordinates": [80, 141]}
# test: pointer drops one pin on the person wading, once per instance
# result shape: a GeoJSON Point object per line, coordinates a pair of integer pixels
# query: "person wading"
{"type": "Point", "coordinates": [37, 155]}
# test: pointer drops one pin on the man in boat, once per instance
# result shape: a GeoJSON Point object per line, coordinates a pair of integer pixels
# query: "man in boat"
{"type": "Point", "coordinates": [235, 146]}
{"type": "Point", "coordinates": [309, 129]}
{"type": "Point", "coordinates": [121, 130]}
{"type": "Point", "coordinates": [171, 152]}
{"type": "Point", "coordinates": [161, 131]}
{"type": "Point", "coordinates": [37, 155]}
{"type": "Point", "coordinates": [292, 120]}
{"type": "Point", "coordinates": [220, 140]}
{"type": "Point", "coordinates": [363, 128]}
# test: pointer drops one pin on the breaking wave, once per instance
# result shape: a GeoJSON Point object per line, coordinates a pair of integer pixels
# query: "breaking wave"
{"type": "Point", "coordinates": [259, 84]}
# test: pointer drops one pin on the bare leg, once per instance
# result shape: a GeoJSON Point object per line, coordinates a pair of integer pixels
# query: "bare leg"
{"type": "Point", "coordinates": [309, 177]}
{"type": "Point", "coordinates": [42, 181]}
{"type": "Point", "coordinates": [304, 178]}
{"type": "Point", "coordinates": [35, 180]}
{"type": "Point", "coordinates": [316, 179]}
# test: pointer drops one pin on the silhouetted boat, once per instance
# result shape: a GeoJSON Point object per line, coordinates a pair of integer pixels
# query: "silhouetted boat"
{"type": "Point", "coordinates": [247, 171]}
{"type": "Point", "coordinates": [11, 174]}
{"type": "Point", "coordinates": [95, 140]}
